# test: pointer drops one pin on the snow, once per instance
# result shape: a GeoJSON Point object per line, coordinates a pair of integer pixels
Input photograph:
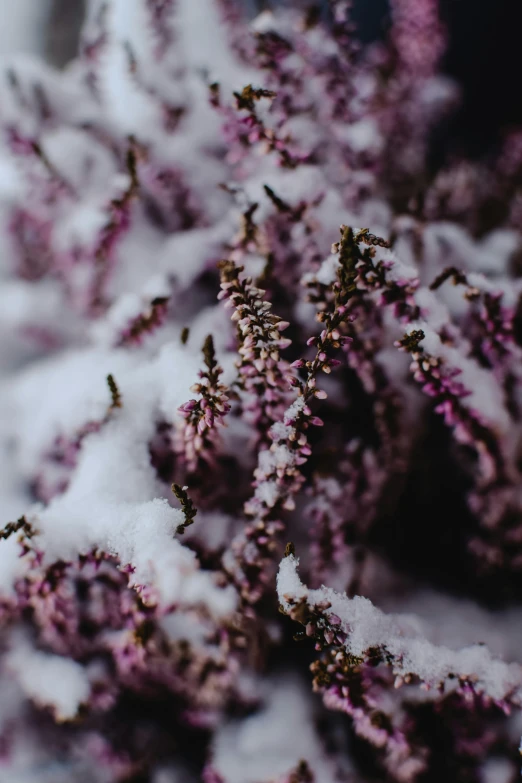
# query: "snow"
{"type": "Point", "coordinates": [11, 565]}
{"type": "Point", "coordinates": [363, 136]}
{"type": "Point", "coordinates": [49, 680]}
{"type": "Point", "coordinates": [35, 304]}
{"type": "Point", "coordinates": [367, 626]}
{"type": "Point", "coordinates": [22, 25]}
{"type": "Point", "coordinates": [264, 23]}
{"type": "Point", "coordinates": [206, 48]}
{"type": "Point", "coordinates": [454, 245]}
{"type": "Point", "coordinates": [294, 410]}
{"type": "Point", "coordinates": [497, 770]}
{"type": "Point", "coordinates": [327, 272]}
{"type": "Point", "coordinates": [280, 431]}
{"type": "Point", "coordinates": [271, 742]}
{"type": "Point", "coordinates": [457, 622]}
{"type": "Point", "coordinates": [129, 107]}
{"type": "Point", "coordinates": [288, 582]}
{"type": "Point", "coordinates": [268, 491]}
{"type": "Point", "coordinates": [113, 501]}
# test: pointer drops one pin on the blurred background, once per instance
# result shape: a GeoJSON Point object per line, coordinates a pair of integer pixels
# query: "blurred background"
{"type": "Point", "coordinates": [484, 55]}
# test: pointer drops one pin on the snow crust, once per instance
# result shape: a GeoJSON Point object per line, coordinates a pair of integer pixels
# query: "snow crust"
{"type": "Point", "coordinates": [400, 635]}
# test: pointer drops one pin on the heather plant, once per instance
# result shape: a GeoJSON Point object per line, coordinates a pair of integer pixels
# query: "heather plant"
{"type": "Point", "coordinates": [260, 410]}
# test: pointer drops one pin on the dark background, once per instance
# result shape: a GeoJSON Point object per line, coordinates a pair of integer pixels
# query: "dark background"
{"type": "Point", "coordinates": [485, 57]}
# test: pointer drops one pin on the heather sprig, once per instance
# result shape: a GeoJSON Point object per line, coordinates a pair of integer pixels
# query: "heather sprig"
{"type": "Point", "coordinates": [22, 525]}
{"type": "Point", "coordinates": [491, 327]}
{"type": "Point", "coordinates": [32, 148]}
{"type": "Point", "coordinates": [244, 127]}
{"type": "Point", "coordinates": [492, 496]}
{"type": "Point", "coordinates": [86, 611]}
{"type": "Point", "coordinates": [256, 130]}
{"type": "Point", "coordinates": [367, 469]}
{"type": "Point", "coordinates": [263, 375]}
{"type": "Point", "coordinates": [278, 476]}
{"type": "Point", "coordinates": [301, 774]}
{"type": "Point", "coordinates": [116, 401]}
{"type": "Point", "coordinates": [440, 382]}
{"type": "Point", "coordinates": [365, 653]}
{"type": "Point", "coordinates": [197, 438]}
{"type": "Point", "coordinates": [298, 416]}
{"type": "Point", "coordinates": [338, 533]}
{"type": "Point", "coordinates": [145, 323]}
{"type": "Point", "coordinates": [161, 13]}
{"type": "Point", "coordinates": [187, 506]}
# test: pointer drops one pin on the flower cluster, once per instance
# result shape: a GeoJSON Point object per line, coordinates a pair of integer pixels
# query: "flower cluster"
{"type": "Point", "coordinates": [262, 372]}
{"type": "Point", "coordinates": [203, 415]}
{"type": "Point", "coordinates": [145, 323]}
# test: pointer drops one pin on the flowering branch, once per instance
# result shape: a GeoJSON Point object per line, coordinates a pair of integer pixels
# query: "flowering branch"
{"type": "Point", "coordinates": [15, 527]}
{"type": "Point", "coordinates": [360, 645]}
{"type": "Point", "coordinates": [278, 476]}
{"type": "Point", "coordinates": [116, 226]}
{"type": "Point", "coordinates": [115, 393]}
{"type": "Point", "coordinates": [197, 438]}
{"type": "Point", "coordinates": [439, 382]}
{"type": "Point", "coordinates": [263, 374]}
{"type": "Point", "coordinates": [187, 506]}
{"type": "Point", "coordinates": [145, 323]}
{"type": "Point", "coordinates": [491, 328]}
